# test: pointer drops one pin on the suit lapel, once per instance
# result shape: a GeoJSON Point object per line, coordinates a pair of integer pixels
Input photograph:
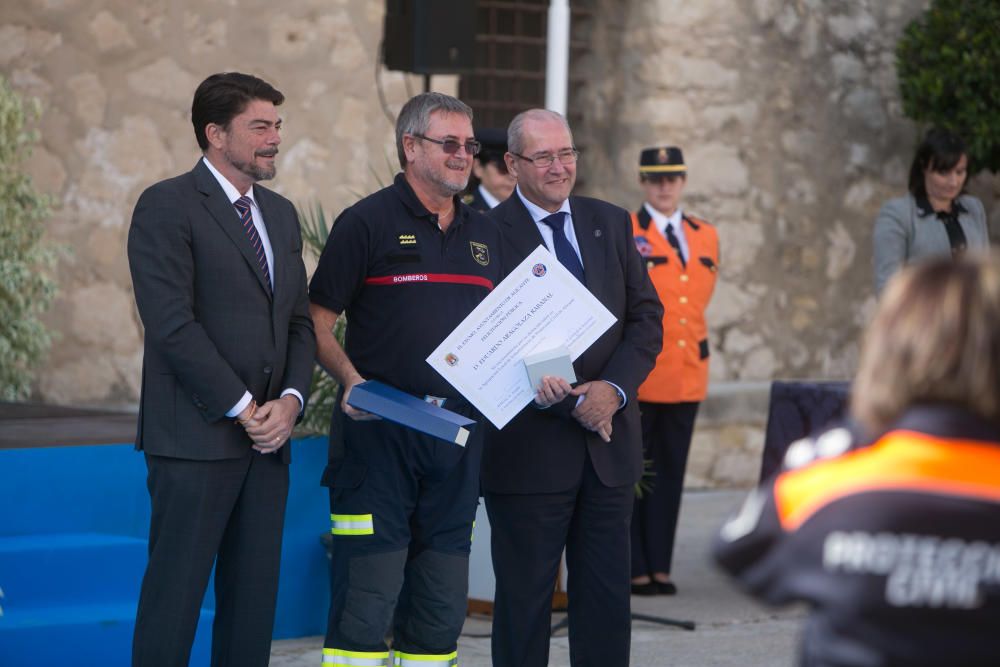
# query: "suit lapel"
{"type": "Point", "coordinates": [519, 228]}
{"type": "Point", "coordinates": [590, 236]}
{"type": "Point", "coordinates": [225, 215]}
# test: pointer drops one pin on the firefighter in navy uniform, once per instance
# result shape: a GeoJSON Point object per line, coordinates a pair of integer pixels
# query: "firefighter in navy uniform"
{"type": "Point", "coordinates": [491, 182]}
{"type": "Point", "coordinates": [896, 543]}
{"type": "Point", "coordinates": [406, 265]}
{"type": "Point", "coordinates": [682, 258]}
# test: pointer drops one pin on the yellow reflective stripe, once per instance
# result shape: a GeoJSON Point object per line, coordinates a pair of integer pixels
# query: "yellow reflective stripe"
{"type": "Point", "coordinates": [341, 658]}
{"type": "Point", "coordinates": [425, 660]}
{"type": "Point", "coordinates": [352, 524]}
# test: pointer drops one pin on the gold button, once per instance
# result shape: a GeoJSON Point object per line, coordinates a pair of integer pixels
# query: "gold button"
{"type": "Point", "coordinates": [684, 278]}
{"type": "Point", "coordinates": [681, 343]}
{"type": "Point", "coordinates": [649, 266]}
{"type": "Point", "coordinates": [684, 299]}
{"type": "Point", "coordinates": [684, 320]}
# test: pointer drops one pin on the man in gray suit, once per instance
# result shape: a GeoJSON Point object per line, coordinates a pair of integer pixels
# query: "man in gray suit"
{"type": "Point", "coordinates": [220, 286]}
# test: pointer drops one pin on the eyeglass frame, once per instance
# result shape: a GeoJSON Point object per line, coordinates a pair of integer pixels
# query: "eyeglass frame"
{"type": "Point", "coordinates": [575, 152]}
{"type": "Point", "coordinates": [472, 147]}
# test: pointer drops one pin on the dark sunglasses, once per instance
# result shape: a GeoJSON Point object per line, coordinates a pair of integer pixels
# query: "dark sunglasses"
{"type": "Point", "coordinates": [450, 146]}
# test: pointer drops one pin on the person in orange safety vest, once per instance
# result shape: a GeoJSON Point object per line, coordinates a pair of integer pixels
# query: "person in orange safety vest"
{"type": "Point", "coordinates": [888, 528]}
{"type": "Point", "coordinates": [682, 258]}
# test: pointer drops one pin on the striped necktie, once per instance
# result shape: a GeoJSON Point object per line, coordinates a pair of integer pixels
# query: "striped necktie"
{"type": "Point", "coordinates": [243, 205]}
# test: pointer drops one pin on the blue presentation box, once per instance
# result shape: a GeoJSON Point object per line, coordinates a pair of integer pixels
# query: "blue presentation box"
{"type": "Point", "coordinates": [406, 410]}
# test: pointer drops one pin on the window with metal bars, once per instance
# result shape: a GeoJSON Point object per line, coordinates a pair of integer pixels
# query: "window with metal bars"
{"type": "Point", "coordinates": [509, 72]}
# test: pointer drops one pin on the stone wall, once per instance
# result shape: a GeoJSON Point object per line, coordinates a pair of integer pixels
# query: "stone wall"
{"type": "Point", "coordinates": [789, 115]}
{"type": "Point", "coordinates": [788, 112]}
{"type": "Point", "coordinates": [116, 78]}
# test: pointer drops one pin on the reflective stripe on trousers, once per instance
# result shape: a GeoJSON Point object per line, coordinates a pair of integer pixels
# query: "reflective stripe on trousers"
{"type": "Point", "coordinates": [352, 524]}
{"type": "Point", "coordinates": [335, 657]}
{"type": "Point", "coordinates": [425, 660]}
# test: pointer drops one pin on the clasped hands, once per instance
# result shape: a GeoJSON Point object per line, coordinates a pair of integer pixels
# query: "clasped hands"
{"type": "Point", "coordinates": [270, 425]}
{"type": "Point", "coordinates": [594, 413]}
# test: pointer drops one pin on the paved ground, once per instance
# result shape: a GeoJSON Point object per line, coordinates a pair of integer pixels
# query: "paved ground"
{"type": "Point", "coordinates": [731, 629]}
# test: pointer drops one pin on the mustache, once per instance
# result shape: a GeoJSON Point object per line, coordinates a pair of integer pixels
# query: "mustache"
{"type": "Point", "coordinates": [271, 152]}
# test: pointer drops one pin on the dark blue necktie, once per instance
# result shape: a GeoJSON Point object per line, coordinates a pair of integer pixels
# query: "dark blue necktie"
{"type": "Point", "coordinates": [672, 240]}
{"type": "Point", "coordinates": [564, 250]}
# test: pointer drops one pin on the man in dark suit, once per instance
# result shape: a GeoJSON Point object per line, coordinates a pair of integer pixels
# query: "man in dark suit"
{"type": "Point", "coordinates": [561, 473]}
{"type": "Point", "coordinates": [220, 286]}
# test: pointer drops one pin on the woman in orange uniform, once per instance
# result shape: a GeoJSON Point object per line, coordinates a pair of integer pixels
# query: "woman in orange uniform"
{"type": "Point", "coordinates": [682, 257]}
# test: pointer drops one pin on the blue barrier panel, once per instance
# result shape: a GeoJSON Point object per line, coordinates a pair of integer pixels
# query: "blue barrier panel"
{"type": "Point", "coordinates": [74, 495]}
{"type": "Point", "coordinates": [304, 586]}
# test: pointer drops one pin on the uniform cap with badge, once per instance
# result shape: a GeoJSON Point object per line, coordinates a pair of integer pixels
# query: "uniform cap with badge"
{"type": "Point", "coordinates": [662, 160]}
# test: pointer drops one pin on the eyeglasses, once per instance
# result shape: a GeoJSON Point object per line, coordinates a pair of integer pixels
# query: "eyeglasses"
{"type": "Point", "coordinates": [450, 146]}
{"type": "Point", "coordinates": [543, 161]}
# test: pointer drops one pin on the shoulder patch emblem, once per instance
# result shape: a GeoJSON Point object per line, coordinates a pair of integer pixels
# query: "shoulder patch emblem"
{"type": "Point", "coordinates": [480, 253]}
{"type": "Point", "coordinates": [643, 245]}
{"type": "Point", "coordinates": [407, 240]}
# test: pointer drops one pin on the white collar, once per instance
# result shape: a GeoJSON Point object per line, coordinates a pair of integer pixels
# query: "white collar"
{"type": "Point", "coordinates": [537, 212]}
{"type": "Point", "coordinates": [490, 200]}
{"type": "Point", "coordinates": [231, 192]}
{"type": "Point", "coordinates": [674, 220]}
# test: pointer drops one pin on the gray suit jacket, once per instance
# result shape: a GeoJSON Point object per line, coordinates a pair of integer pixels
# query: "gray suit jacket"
{"type": "Point", "coordinates": [902, 234]}
{"type": "Point", "coordinates": [542, 451]}
{"type": "Point", "coordinates": [213, 327]}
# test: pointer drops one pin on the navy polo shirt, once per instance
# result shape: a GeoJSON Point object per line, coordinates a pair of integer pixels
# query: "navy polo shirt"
{"type": "Point", "coordinates": [403, 283]}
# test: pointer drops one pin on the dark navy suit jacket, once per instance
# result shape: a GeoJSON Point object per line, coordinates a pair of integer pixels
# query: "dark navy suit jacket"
{"type": "Point", "coordinates": [542, 451]}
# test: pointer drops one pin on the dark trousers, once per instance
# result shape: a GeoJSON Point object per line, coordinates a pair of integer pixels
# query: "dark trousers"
{"type": "Point", "coordinates": [228, 512]}
{"type": "Point", "coordinates": [666, 440]}
{"type": "Point", "coordinates": [409, 570]}
{"type": "Point", "coordinates": [528, 535]}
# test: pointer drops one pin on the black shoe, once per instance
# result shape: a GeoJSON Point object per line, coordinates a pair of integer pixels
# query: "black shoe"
{"type": "Point", "coordinates": [665, 588]}
{"type": "Point", "coordinates": [648, 588]}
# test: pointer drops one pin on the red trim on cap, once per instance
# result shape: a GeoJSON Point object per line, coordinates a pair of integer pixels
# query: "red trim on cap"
{"type": "Point", "coordinates": [409, 278]}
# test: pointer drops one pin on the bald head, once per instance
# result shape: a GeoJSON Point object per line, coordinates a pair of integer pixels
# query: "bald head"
{"type": "Point", "coordinates": [515, 131]}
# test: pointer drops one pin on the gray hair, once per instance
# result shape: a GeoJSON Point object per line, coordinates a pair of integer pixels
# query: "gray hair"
{"type": "Point", "coordinates": [415, 116]}
{"type": "Point", "coordinates": [515, 131]}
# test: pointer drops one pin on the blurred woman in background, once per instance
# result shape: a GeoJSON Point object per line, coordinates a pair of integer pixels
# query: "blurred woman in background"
{"type": "Point", "coordinates": [937, 218]}
{"type": "Point", "coordinates": [893, 537]}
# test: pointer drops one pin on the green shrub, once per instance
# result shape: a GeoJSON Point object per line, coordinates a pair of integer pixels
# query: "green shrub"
{"type": "Point", "coordinates": [323, 393]}
{"type": "Point", "coordinates": [24, 290]}
{"type": "Point", "coordinates": [948, 63]}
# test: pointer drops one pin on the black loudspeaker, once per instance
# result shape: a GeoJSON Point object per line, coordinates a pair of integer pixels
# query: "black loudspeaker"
{"type": "Point", "coordinates": [430, 36]}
